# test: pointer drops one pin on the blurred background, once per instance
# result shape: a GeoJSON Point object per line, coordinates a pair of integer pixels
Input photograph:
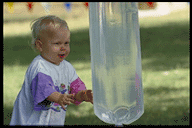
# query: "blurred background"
{"type": "Point", "coordinates": [164, 33]}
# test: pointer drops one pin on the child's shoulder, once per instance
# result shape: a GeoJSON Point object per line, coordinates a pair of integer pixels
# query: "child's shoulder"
{"type": "Point", "coordinates": [37, 62]}
{"type": "Point", "coordinates": [67, 64]}
{"type": "Point", "coordinates": [38, 65]}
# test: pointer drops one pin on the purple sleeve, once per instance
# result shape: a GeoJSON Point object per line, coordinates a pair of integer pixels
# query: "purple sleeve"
{"type": "Point", "coordinates": [41, 87]}
{"type": "Point", "coordinates": [77, 86]}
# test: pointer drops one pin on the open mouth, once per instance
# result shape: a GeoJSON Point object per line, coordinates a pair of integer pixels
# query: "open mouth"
{"type": "Point", "coordinates": [61, 55]}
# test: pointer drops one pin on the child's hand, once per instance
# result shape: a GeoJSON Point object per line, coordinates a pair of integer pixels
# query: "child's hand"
{"type": "Point", "coordinates": [65, 99]}
{"type": "Point", "coordinates": [83, 95]}
{"type": "Point", "coordinates": [88, 96]}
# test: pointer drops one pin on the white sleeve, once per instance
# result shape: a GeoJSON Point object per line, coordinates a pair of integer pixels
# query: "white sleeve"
{"type": "Point", "coordinates": [72, 73]}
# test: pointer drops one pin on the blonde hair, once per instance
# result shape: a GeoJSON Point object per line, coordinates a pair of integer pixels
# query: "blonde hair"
{"type": "Point", "coordinates": [41, 23]}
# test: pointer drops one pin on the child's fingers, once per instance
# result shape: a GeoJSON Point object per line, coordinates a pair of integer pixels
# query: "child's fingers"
{"type": "Point", "coordinates": [89, 92]}
{"type": "Point", "coordinates": [71, 100]}
{"type": "Point", "coordinates": [70, 97]}
{"type": "Point", "coordinates": [90, 96]}
{"type": "Point", "coordinates": [63, 107]}
{"type": "Point", "coordinates": [66, 103]}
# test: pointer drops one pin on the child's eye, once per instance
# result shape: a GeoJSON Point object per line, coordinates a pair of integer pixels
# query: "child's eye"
{"type": "Point", "coordinates": [66, 42]}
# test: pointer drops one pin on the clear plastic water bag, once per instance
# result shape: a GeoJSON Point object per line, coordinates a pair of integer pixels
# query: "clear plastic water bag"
{"type": "Point", "coordinates": [116, 61]}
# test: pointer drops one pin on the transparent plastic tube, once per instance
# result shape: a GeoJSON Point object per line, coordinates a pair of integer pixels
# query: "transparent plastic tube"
{"type": "Point", "coordinates": [116, 62]}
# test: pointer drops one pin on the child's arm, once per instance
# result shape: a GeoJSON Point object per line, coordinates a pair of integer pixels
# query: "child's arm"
{"type": "Point", "coordinates": [61, 99]}
{"type": "Point", "coordinates": [84, 95]}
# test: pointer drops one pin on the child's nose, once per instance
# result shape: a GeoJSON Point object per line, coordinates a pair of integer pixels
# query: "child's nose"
{"type": "Point", "coordinates": [62, 49]}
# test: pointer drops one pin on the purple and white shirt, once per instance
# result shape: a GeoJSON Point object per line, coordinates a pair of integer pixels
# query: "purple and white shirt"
{"type": "Point", "coordinates": [41, 80]}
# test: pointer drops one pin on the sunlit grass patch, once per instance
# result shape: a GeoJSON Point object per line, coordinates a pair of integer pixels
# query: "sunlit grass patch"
{"type": "Point", "coordinates": [13, 77]}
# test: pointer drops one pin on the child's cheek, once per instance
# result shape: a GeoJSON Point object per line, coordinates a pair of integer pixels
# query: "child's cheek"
{"type": "Point", "coordinates": [56, 48]}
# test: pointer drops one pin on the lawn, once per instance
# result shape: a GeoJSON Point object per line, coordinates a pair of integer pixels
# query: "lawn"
{"type": "Point", "coordinates": [165, 71]}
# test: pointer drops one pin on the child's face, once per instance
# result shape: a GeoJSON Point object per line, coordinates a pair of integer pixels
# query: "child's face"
{"type": "Point", "coordinates": [55, 44]}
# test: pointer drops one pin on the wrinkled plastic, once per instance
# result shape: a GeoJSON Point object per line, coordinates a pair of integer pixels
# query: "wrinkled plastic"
{"type": "Point", "coordinates": [116, 61]}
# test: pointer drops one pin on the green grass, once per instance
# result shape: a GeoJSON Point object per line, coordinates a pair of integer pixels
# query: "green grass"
{"type": "Point", "coordinates": [165, 74]}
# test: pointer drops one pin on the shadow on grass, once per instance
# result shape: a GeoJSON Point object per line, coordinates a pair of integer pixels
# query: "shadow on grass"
{"type": "Point", "coordinates": [156, 91]}
{"type": "Point", "coordinates": [163, 48]}
{"type": "Point", "coordinates": [7, 112]}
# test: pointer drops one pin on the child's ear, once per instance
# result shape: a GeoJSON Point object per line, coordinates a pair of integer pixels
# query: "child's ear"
{"type": "Point", "coordinates": [38, 45]}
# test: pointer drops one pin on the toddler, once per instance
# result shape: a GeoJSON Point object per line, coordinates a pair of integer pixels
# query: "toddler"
{"type": "Point", "coordinates": [51, 83]}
